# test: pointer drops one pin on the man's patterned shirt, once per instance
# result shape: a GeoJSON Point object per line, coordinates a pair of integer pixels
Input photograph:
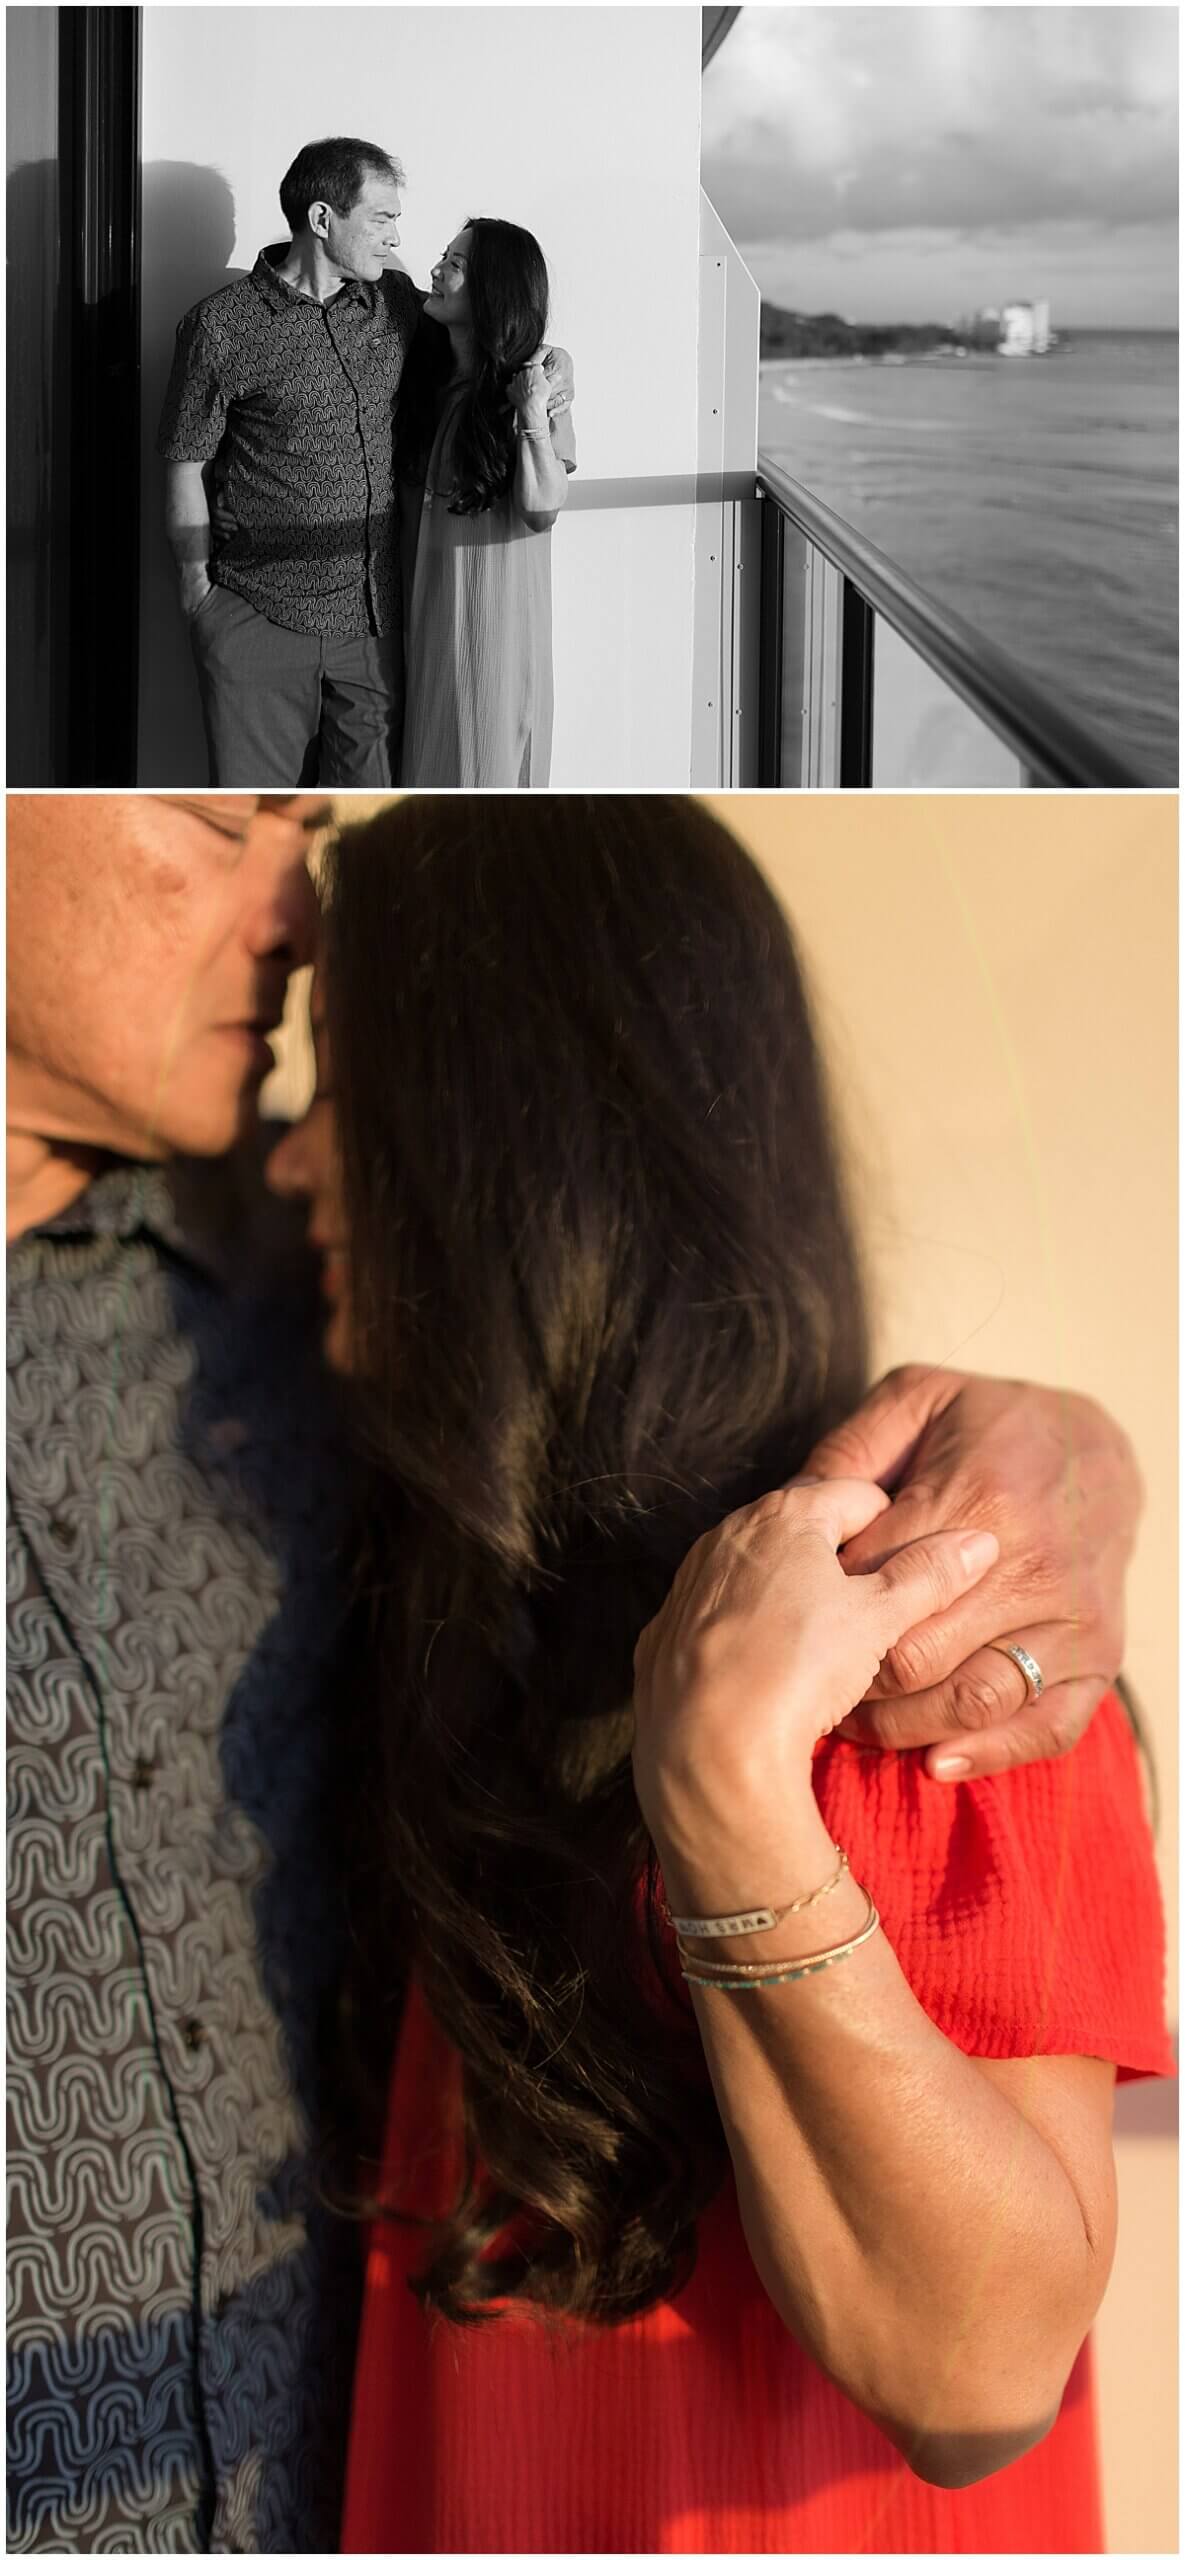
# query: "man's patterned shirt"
{"type": "Point", "coordinates": [181, 2306]}
{"type": "Point", "coordinates": [293, 401]}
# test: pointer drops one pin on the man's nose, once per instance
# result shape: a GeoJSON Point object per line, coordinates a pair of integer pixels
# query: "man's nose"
{"type": "Point", "coordinates": [286, 923]}
{"type": "Point", "coordinates": [298, 915]}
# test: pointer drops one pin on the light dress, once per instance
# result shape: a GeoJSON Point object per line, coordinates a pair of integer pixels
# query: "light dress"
{"type": "Point", "coordinates": [477, 631]}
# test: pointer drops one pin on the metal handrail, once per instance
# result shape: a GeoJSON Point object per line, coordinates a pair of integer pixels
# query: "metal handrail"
{"type": "Point", "coordinates": [1045, 740]}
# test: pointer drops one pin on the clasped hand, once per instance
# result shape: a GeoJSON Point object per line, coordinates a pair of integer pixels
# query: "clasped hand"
{"type": "Point", "coordinates": [1048, 1472]}
{"type": "Point", "coordinates": [527, 393]}
{"type": "Point", "coordinates": [764, 1644]}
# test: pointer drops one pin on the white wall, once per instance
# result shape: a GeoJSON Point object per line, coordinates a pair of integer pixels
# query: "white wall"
{"type": "Point", "coordinates": [582, 124]}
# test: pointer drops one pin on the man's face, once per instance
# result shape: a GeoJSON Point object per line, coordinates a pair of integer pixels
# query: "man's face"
{"type": "Point", "coordinates": [150, 943]}
{"type": "Point", "coordinates": [359, 243]}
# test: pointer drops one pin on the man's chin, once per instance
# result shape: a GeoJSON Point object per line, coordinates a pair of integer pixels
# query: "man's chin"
{"type": "Point", "coordinates": [207, 1132]}
{"type": "Point", "coordinates": [246, 1122]}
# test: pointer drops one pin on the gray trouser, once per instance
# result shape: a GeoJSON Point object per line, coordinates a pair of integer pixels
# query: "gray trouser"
{"type": "Point", "coordinates": [278, 704]}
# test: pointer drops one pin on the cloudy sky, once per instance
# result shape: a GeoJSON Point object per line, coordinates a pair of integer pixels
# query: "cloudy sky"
{"type": "Point", "coordinates": [915, 164]}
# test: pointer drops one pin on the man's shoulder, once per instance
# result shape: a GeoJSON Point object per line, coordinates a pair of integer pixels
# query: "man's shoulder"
{"type": "Point", "coordinates": [222, 313]}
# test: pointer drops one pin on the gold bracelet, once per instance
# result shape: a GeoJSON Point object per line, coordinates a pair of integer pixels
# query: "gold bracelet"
{"type": "Point", "coordinates": [746, 1924]}
{"type": "Point", "coordinates": [757, 1977]}
{"type": "Point", "coordinates": [771, 1964]}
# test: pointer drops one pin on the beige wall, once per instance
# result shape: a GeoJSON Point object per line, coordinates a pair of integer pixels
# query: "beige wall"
{"type": "Point", "coordinates": [996, 981]}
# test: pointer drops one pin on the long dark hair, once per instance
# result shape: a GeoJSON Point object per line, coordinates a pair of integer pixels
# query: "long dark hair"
{"type": "Point", "coordinates": [604, 1290]}
{"type": "Point", "coordinates": [508, 297]}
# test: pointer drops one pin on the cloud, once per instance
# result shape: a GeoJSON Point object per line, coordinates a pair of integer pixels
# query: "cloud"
{"type": "Point", "coordinates": [874, 121]}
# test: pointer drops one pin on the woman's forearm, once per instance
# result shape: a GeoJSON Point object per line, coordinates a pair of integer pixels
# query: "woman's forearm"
{"type": "Point", "coordinates": [914, 2231]}
{"type": "Point", "coordinates": [540, 480]}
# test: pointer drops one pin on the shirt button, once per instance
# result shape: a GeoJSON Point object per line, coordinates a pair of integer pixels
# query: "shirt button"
{"type": "Point", "coordinates": [62, 1537]}
{"type": "Point", "coordinates": [143, 1773]}
{"type": "Point", "coordinates": [193, 2034]}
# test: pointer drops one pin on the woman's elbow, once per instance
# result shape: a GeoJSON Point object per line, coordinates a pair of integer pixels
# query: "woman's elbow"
{"type": "Point", "coordinates": [958, 2461]}
{"type": "Point", "coordinates": [955, 2437]}
{"type": "Point", "coordinates": [541, 517]}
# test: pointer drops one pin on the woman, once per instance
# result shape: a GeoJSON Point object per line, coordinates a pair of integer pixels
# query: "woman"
{"type": "Point", "coordinates": [676, 2254]}
{"type": "Point", "coordinates": [483, 475]}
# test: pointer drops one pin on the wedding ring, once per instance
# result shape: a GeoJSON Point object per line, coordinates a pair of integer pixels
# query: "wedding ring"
{"type": "Point", "coordinates": [1034, 1677]}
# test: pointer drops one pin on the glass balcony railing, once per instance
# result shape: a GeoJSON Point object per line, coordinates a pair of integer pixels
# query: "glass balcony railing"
{"type": "Point", "coordinates": [866, 683]}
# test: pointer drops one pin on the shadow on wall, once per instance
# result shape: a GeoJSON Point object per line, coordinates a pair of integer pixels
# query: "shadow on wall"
{"type": "Point", "coordinates": [189, 221]}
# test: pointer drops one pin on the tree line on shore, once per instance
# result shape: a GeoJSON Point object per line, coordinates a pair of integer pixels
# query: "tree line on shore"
{"type": "Point", "coordinates": [823, 333]}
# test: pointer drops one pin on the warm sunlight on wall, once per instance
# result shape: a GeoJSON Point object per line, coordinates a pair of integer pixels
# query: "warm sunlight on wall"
{"type": "Point", "coordinates": [997, 982]}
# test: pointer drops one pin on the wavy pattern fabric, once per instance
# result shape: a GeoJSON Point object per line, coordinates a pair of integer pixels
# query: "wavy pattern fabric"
{"type": "Point", "coordinates": [181, 2306]}
{"type": "Point", "coordinates": [292, 401]}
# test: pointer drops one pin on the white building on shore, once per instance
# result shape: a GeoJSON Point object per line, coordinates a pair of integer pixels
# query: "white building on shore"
{"type": "Point", "coordinates": [1024, 329]}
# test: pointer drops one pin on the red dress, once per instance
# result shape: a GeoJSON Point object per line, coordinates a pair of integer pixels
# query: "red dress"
{"type": "Point", "coordinates": [1025, 1914]}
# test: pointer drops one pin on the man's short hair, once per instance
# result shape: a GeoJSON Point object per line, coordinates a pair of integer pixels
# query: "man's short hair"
{"type": "Point", "coordinates": [332, 172]}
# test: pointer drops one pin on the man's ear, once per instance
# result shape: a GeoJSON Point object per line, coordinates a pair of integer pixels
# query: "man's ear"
{"type": "Point", "coordinates": [318, 219]}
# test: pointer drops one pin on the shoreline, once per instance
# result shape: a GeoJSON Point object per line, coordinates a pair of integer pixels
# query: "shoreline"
{"type": "Point", "coordinates": [982, 358]}
{"type": "Point", "coordinates": [932, 356]}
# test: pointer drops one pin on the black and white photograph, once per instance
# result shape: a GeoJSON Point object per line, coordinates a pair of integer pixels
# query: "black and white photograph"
{"type": "Point", "coordinates": [813, 370]}
{"type": "Point", "coordinates": [592, 1201]}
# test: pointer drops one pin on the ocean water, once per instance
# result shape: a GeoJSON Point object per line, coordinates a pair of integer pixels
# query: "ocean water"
{"type": "Point", "coordinates": [1035, 496]}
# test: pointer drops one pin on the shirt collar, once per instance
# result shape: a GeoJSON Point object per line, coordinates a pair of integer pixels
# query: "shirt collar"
{"type": "Point", "coordinates": [171, 1203]}
{"type": "Point", "coordinates": [281, 295]}
{"type": "Point", "coordinates": [217, 1213]}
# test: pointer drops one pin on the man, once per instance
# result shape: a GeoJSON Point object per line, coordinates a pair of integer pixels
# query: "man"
{"type": "Point", "coordinates": [182, 2316]}
{"type": "Point", "coordinates": [183, 2304]}
{"type": "Point", "coordinates": [283, 392]}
